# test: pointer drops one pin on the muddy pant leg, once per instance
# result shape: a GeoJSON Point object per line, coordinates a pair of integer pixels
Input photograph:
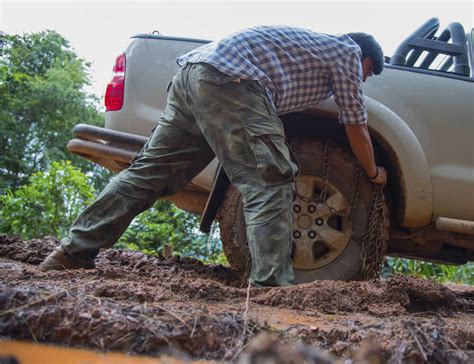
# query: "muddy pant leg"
{"type": "Point", "coordinates": [174, 154]}
{"type": "Point", "coordinates": [102, 223]}
{"type": "Point", "coordinates": [248, 138]}
{"type": "Point", "coordinates": [269, 216]}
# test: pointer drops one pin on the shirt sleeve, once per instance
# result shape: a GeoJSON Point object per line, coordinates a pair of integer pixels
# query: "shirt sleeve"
{"type": "Point", "coordinates": [346, 77]}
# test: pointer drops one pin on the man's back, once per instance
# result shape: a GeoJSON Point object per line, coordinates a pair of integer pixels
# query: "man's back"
{"type": "Point", "coordinates": [294, 65]}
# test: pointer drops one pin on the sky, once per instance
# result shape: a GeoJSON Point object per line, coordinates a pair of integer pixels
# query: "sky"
{"type": "Point", "coordinates": [100, 30]}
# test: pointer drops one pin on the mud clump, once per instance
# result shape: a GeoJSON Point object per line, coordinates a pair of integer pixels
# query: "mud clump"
{"type": "Point", "coordinates": [144, 304]}
{"type": "Point", "coordinates": [397, 295]}
{"type": "Point", "coordinates": [32, 252]}
{"type": "Point", "coordinates": [408, 339]}
{"type": "Point", "coordinates": [428, 295]}
{"type": "Point", "coordinates": [118, 260]}
{"type": "Point", "coordinates": [150, 265]}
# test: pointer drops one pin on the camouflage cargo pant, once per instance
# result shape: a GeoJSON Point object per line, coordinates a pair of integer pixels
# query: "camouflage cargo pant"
{"type": "Point", "coordinates": [208, 114]}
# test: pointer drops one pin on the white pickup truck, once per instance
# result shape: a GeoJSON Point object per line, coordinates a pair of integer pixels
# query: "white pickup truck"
{"type": "Point", "coordinates": [421, 120]}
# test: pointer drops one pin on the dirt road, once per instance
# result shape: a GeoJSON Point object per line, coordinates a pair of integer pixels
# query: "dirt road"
{"type": "Point", "coordinates": [150, 305]}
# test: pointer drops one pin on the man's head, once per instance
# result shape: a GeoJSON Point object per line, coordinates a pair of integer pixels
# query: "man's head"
{"type": "Point", "coordinates": [372, 54]}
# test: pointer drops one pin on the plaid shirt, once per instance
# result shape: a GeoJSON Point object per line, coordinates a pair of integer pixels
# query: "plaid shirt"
{"type": "Point", "coordinates": [298, 68]}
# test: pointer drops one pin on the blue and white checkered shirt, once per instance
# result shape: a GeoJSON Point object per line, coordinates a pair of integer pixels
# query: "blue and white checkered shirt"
{"type": "Point", "coordinates": [297, 67]}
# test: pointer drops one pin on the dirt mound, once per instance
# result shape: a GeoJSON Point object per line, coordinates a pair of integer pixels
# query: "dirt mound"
{"type": "Point", "coordinates": [411, 339]}
{"type": "Point", "coordinates": [397, 295]}
{"type": "Point", "coordinates": [145, 304]}
{"type": "Point", "coordinates": [74, 319]}
{"type": "Point", "coordinates": [34, 251]}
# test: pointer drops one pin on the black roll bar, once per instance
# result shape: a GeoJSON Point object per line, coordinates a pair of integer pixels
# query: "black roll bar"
{"type": "Point", "coordinates": [427, 29]}
{"type": "Point", "coordinates": [452, 42]}
{"type": "Point", "coordinates": [458, 36]}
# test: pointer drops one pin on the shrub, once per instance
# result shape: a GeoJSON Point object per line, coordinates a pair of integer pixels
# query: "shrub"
{"type": "Point", "coordinates": [48, 204]}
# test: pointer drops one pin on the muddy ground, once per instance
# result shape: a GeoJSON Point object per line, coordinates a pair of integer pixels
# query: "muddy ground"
{"type": "Point", "coordinates": [143, 304]}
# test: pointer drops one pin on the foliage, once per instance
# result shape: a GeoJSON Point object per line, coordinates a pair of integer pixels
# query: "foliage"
{"type": "Point", "coordinates": [51, 201]}
{"type": "Point", "coordinates": [164, 227]}
{"type": "Point", "coordinates": [441, 272]}
{"type": "Point", "coordinates": [48, 204]}
{"type": "Point", "coordinates": [42, 96]}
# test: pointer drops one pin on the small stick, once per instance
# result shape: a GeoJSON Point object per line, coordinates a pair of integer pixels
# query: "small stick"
{"type": "Point", "coordinates": [30, 304]}
{"type": "Point", "coordinates": [418, 344]}
{"type": "Point", "coordinates": [194, 326]}
{"type": "Point", "coordinates": [247, 303]}
{"type": "Point", "coordinates": [244, 334]}
{"type": "Point", "coordinates": [175, 316]}
{"type": "Point", "coordinates": [29, 328]}
{"type": "Point", "coordinates": [44, 299]}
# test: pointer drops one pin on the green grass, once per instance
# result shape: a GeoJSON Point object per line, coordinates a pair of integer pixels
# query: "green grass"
{"type": "Point", "coordinates": [441, 272]}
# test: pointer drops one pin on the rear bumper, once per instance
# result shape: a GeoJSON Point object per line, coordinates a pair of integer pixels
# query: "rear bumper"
{"type": "Point", "coordinates": [111, 149]}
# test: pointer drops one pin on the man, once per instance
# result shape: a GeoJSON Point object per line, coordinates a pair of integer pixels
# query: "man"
{"type": "Point", "coordinates": [225, 102]}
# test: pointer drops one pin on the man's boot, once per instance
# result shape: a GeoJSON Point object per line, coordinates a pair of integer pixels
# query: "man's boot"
{"type": "Point", "coordinates": [59, 259]}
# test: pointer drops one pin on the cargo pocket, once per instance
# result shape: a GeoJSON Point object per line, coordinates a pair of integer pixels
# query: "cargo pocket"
{"type": "Point", "coordinates": [272, 153]}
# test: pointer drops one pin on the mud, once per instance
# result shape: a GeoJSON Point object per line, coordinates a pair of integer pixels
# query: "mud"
{"type": "Point", "coordinates": [142, 304]}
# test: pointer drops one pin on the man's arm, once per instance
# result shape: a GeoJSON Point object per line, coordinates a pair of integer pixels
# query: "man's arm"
{"type": "Point", "coordinates": [346, 77]}
{"type": "Point", "coordinates": [361, 145]}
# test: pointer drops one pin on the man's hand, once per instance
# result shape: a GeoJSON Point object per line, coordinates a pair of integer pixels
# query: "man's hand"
{"type": "Point", "coordinates": [381, 178]}
{"type": "Point", "coordinates": [361, 145]}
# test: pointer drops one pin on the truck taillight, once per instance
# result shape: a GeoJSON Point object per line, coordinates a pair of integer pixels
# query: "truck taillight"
{"type": "Point", "coordinates": [115, 88]}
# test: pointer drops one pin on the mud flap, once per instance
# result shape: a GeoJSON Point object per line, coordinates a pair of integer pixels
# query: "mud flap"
{"type": "Point", "coordinates": [219, 188]}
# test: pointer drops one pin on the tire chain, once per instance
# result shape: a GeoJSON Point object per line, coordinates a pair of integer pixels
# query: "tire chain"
{"type": "Point", "coordinates": [373, 244]}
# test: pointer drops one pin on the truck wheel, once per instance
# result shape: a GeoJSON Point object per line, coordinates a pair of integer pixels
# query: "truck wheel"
{"type": "Point", "coordinates": [325, 244]}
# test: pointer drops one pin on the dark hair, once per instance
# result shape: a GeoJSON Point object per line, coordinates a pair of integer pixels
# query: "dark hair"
{"type": "Point", "coordinates": [370, 48]}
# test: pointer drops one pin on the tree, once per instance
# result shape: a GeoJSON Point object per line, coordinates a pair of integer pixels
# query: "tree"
{"type": "Point", "coordinates": [42, 96]}
{"type": "Point", "coordinates": [48, 204]}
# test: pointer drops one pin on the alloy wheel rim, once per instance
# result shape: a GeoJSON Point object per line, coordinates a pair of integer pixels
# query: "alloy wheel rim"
{"type": "Point", "coordinates": [321, 231]}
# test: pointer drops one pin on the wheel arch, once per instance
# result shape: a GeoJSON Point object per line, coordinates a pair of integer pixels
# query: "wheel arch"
{"type": "Point", "coordinates": [409, 189]}
{"type": "Point", "coordinates": [406, 153]}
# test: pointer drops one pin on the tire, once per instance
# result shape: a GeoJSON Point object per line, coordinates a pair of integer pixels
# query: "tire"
{"type": "Point", "coordinates": [319, 260]}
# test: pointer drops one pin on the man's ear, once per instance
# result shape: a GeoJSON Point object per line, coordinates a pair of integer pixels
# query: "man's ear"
{"type": "Point", "coordinates": [367, 68]}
